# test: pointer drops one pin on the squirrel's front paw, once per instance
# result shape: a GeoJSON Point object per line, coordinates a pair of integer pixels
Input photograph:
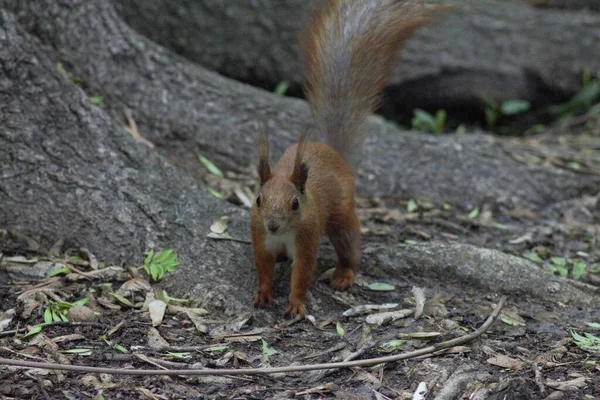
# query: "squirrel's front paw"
{"type": "Point", "coordinates": [342, 278]}
{"type": "Point", "coordinates": [296, 307]}
{"type": "Point", "coordinates": [262, 298]}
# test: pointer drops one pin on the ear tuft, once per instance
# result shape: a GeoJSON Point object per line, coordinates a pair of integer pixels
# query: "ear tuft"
{"type": "Point", "coordinates": [262, 146]}
{"type": "Point", "coordinates": [300, 176]}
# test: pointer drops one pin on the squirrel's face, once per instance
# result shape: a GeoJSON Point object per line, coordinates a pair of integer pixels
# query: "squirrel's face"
{"type": "Point", "coordinates": [279, 205]}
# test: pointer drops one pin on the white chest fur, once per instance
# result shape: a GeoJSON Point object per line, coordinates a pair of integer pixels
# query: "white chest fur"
{"type": "Point", "coordinates": [285, 243]}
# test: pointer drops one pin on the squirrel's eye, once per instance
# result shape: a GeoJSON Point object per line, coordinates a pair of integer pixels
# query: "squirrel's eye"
{"type": "Point", "coordinates": [258, 201]}
{"type": "Point", "coordinates": [295, 204]}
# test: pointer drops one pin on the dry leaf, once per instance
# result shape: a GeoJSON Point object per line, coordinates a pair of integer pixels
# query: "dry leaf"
{"type": "Point", "coordinates": [506, 362]}
{"type": "Point", "coordinates": [368, 308]}
{"type": "Point", "coordinates": [133, 286]}
{"type": "Point", "coordinates": [157, 308]}
{"type": "Point", "coordinates": [219, 226]}
{"type": "Point", "coordinates": [385, 317]}
{"type": "Point", "coordinates": [156, 341]}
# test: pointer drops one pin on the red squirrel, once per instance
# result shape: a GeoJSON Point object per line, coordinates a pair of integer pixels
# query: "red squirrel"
{"type": "Point", "coordinates": [349, 50]}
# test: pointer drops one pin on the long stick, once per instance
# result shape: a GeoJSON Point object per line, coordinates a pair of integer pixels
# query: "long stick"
{"type": "Point", "coordinates": [256, 371]}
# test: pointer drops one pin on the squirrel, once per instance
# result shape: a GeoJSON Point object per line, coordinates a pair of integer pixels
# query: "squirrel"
{"type": "Point", "coordinates": [349, 50]}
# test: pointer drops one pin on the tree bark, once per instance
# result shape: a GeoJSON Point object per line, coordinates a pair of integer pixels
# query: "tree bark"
{"type": "Point", "coordinates": [70, 171]}
{"type": "Point", "coordinates": [504, 49]}
{"type": "Point", "coordinates": [185, 109]}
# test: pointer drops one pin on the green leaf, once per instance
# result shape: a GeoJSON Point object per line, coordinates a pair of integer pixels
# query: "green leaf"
{"type": "Point", "coordinates": [339, 329]}
{"type": "Point", "coordinates": [156, 265]}
{"type": "Point", "coordinates": [392, 345]}
{"type": "Point", "coordinates": [34, 330]}
{"type": "Point", "coordinates": [560, 261]}
{"type": "Point", "coordinates": [411, 206]}
{"type": "Point", "coordinates": [97, 100]}
{"type": "Point", "coordinates": [491, 117]}
{"type": "Point", "coordinates": [381, 287]}
{"type": "Point", "coordinates": [512, 321]}
{"type": "Point", "coordinates": [177, 355]}
{"type": "Point", "coordinates": [149, 257]}
{"type": "Point", "coordinates": [474, 213]}
{"type": "Point", "coordinates": [55, 316]}
{"type": "Point", "coordinates": [594, 325]}
{"type": "Point", "coordinates": [120, 348]}
{"type": "Point", "coordinates": [281, 88]}
{"type": "Point", "coordinates": [587, 341]}
{"type": "Point", "coordinates": [77, 351]}
{"type": "Point", "coordinates": [267, 351]}
{"type": "Point", "coordinates": [81, 302]}
{"type": "Point", "coordinates": [59, 271]}
{"type": "Point", "coordinates": [122, 299]}
{"type": "Point", "coordinates": [513, 107]}
{"type": "Point", "coordinates": [424, 116]}
{"type": "Point", "coordinates": [217, 348]}
{"type": "Point", "coordinates": [563, 271]}
{"type": "Point", "coordinates": [578, 270]}
{"type": "Point", "coordinates": [446, 207]}
{"type": "Point", "coordinates": [440, 121]}
{"type": "Point", "coordinates": [48, 315]}
{"type": "Point", "coordinates": [533, 256]}
{"type": "Point", "coordinates": [212, 168]}
{"type": "Point", "coordinates": [215, 193]}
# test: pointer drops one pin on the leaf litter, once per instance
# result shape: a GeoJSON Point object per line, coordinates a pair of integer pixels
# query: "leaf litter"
{"type": "Point", "coordinates": [192, 334]}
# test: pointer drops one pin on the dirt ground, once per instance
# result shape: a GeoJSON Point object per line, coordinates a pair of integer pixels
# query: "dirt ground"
{"type": "Point", "coordinates": [527, 354]}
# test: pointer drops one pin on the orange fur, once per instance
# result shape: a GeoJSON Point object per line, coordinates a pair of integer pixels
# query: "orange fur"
{"type": "Point", "coordinates": [349, 50]}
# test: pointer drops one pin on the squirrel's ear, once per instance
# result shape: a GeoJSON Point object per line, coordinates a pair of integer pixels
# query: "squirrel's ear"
{"type": "Point", "coordinates": [299, 176]}
{"type": "Point", "coordinates": [264, 169]}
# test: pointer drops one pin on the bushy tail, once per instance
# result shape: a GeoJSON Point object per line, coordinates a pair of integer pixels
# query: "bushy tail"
{"type": "Point", "coordinates": [349, 50]}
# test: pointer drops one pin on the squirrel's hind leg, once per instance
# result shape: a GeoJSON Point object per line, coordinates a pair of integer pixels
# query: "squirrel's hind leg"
{"type": "Point", "coordinates": [344, 234]}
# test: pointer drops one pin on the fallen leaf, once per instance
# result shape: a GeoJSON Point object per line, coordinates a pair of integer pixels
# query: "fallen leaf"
{"type": "Point", "coordinates": [384, 317]}
{"type": "Point", "coordinates": [420, 335]}
{"type": "Point", "coordinates": [368, 308]}
{"type": "Point", "coordinates": [576, 383]}
{"type": "Point", "coordinates": [219, 225]}
{"type": "Point", "coordinates": [381, 287]}
{"type": "Point", "coordinates": [503, 361]}
{"type": "Point", "coordinates": [157, 309]}
{"type": "Point", "coordinates": [419, 294]}
{"type": "Point", "coordinates": [156, 341]}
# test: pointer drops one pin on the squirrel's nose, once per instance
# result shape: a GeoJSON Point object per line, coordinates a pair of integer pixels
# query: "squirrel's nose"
{"type": "Point", "coordinates": [272, 225]}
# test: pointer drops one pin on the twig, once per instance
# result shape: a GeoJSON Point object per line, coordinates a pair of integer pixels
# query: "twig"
{"type": "Point", "coordinates": [133, 130]}
{"type": "Point", "coordinates": [55, 323]}
{"type": "Point", "coordinates": [253, 371]}
{"type": "Point", "coordinates": [539, 379]}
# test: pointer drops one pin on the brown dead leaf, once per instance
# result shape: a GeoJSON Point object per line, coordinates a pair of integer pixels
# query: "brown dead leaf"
{"type": "Point", "coordinates": [147, 394]}
{"type": "Point", "coordinates": [219, 226]}
{"type": "Point", "coordinates": [133, 286]}
{"type": "Point", "coordinates": [577, 383]}
{"type": "Point", "coordinates": [156, 341]}
{"type": "Point", "coordinates": [503, 361]}
{"type": "Point", "coordinates": [68, 338]}
{"type": "Point", "coordinates": [93, 382]}
{"type": "Point", "coordinates": [326, 388]}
